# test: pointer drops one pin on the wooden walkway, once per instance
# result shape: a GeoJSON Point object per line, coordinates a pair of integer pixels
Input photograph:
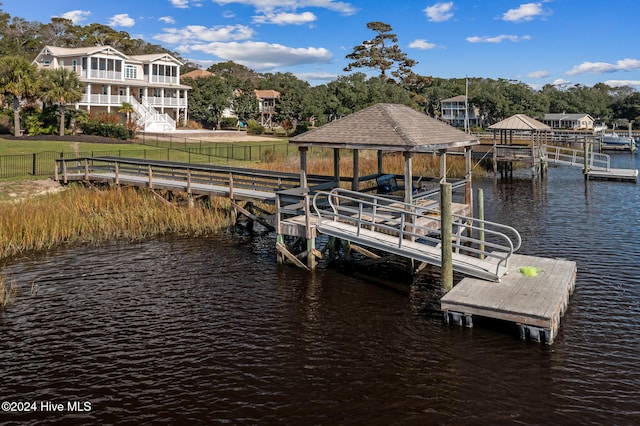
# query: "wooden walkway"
{"type": "Point", "coordinates": [534, 303]}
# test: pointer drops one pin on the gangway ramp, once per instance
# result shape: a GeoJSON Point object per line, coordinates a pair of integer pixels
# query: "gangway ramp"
{"type": "Point", "coordinates": [413, 231]}
{"type": "Point", "coordinates": [595, 165]}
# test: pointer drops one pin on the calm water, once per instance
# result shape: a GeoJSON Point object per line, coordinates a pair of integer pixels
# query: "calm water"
{"type": "Point", "coordinates": [210, 330]}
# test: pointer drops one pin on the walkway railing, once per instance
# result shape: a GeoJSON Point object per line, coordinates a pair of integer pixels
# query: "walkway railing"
{"type": "Point", "coordinates": [403, 228]}
{"type": "Point", "coordinates": [575, 157]}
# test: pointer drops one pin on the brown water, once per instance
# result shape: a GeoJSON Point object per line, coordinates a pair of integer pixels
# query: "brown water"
{"type": "Point", "coordinates": [211, 330]}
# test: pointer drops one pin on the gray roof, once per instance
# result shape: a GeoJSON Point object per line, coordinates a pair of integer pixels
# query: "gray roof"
{"type": "Point", "coordinates": [564, 117]}
{"type": "Point", "coordinates": [520, 122]}
{"type": "Point", "coordinates": [386, 127]}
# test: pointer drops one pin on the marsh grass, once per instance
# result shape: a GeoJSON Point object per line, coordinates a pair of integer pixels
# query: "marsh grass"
{"type": "Point", "coordinates": [8, 291]}
{"type": "Point", "coordinates": [84, 216]}
{"type": "Point", "coordinates": [321, 162]}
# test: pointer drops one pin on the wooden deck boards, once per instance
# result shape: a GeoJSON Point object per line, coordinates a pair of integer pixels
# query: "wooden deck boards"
{"type": "Point", "coordinates": [537, 301]}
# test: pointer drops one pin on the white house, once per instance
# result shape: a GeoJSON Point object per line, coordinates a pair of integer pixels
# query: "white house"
{"type": "Point", "coordinates": [569, 121]}
{"type": "Point", "coordinates": [454, 110]}
{"type": "Point", "coordinates": [150, 83]}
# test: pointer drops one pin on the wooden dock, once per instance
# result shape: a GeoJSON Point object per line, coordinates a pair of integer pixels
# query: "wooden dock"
{"type": "Point", "coordinates": [534, 303]}
{"type": "Point", "coordinates": [627, 175]}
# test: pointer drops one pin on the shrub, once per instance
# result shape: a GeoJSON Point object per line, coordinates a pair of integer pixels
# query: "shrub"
{"type": "Point", "coordinates": [255, 128]}
{"type": "Point", "coordinates": [228, 123]}
{"type": "Point", "coordinates": [109, 130]}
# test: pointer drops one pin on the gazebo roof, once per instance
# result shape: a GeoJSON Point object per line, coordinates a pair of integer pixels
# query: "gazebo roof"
{"type": "Point", "coordinates": [520, 122]}
{"type": "Point", "coordinates": [386, 127]}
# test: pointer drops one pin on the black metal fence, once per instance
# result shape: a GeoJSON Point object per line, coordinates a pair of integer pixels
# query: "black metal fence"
{"type": "Point", "coordinates": [43, 163]}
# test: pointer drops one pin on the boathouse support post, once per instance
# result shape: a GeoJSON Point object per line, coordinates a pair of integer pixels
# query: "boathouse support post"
{"type": "Point", "coordinates": [311, 241]}
{"type": "Point", "coordinates": [446, 233]}
{"type": "Point", "coordinates": [380, 165]}
{"type": "Point", "coordinates": [443, 165]}
{"type": "Point", "coordinates": [336, 165]}
{"type": "Point", "coordinates": [408, 177]}
{"type": "Point", "coordinates": [355, 185]}
{"type": "Point", "coordinates": [303, 166]}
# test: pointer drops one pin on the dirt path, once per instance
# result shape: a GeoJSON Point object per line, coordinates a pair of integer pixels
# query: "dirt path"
{"type": "Point", "coordinates": [13, 191]}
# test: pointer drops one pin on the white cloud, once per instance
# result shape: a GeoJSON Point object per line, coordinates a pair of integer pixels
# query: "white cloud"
{"type": "Point", "coordinates": [561, 82]}
{"type": "Point", "coordinates": [260, 55]}
{"type": "Point", "coordinates": [76, 16]}
{"type": "Point", "coordinates": [621, 83]}
{"type": "Point", "coordinates": [193, 34]}
{"type": "Point", "coordinates": [537, 74]}
{"type": "Point", "coordinates": [316, 76]}
{"type": "Point", "coordinates": [272, 5]}
{"type": "Point", "coordinates": [422, 44]}
{"type": "Point", "coordinates": [183, 4]}
{"type": "Point", "coordinates": [285, 18]}
{"type": "Point", "coordinates": [439, 12]}
{"type": "Point", "coordinates": [121, 20]}
{"type": "Point", "coordinates": [167, 19]}
{"type": "Point", "coordinates": [605, 67]}
{"type": "Point", "coordinates": [497, 39]}
{"type": "Point", "coordinates": [526, 12]}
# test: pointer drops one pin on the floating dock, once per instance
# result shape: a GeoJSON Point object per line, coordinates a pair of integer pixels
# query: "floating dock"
{"type": "Point", "coordinates": [534, 294]}
{"type": "Point", "coordinates": [627, 175]}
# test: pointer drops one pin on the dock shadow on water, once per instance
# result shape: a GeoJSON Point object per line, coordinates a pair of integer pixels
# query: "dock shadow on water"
{"type": "Point", "coordinates": [212, 330]}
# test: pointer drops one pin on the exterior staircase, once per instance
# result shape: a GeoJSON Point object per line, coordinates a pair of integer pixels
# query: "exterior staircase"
{"type": "Point", "coordinates": [150, 120]}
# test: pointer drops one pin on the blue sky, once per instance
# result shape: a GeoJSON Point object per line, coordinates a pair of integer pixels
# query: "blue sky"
{"type": "Point", "coordinates": [560, 42]}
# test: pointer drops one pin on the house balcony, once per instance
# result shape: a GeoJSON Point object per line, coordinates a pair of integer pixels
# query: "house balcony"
{"type": "Point", "coordinates": [102, 74]}
{"type": "Point", "coordinates": [162, 79]}
{"type": "Point", "coordinates": [117, 100]}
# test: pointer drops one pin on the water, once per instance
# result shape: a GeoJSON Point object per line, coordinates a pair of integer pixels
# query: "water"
{"type": "Point", "coordinates": [211, 330]}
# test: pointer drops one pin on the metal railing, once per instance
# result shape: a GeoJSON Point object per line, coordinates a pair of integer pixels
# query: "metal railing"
{"type": "Point", "coordinates": [575, 157]}
{"type": "Point", "coordinates": [409, 222]}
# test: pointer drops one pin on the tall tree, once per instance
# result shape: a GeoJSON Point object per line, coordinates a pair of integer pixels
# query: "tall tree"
{"type": "Point", "coordinates": [208, 99]}
{"type": "Point", "coordinates": [381, 53]}
{"type": "Point", "coordinates": [18, 80]}
{"type": "Point", "coordinates": [61, 87]}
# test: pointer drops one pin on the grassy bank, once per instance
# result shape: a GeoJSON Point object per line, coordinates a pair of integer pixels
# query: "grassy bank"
{"type": "Point", "coordinates": [82, 216]}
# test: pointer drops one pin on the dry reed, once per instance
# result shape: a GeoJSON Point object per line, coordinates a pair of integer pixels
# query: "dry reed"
{"type": "Point", "coordinates": [80, 216]}
{"type": "Point", "coordinates": [321, 162]}
{"type": "Point", "coordinates": [8, 291]}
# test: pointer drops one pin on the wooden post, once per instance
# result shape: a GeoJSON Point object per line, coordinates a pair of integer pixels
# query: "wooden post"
{"type": "Point", "coordinates": [481, 220]}
{"type": "Point", "coordinates": [279, 235]}
{"type": "Point", "coordinates": [64, 171]}
{"type": "Point", "coordinates": [303, 166]}
{"type": "Point", "coordinates": [117, 173]}
{"type": "Point", "coordinates": [55, 172]}
{"type": "Point", "coordinates": [336, 165]}
{"type": "Point", "coordinates": [311, 241]}
{"type": "Point", "coordinates": [585, 152]}
{"type": "Point", "coordinates": [443, 165]}
{"type": "Point", "coordinates": [355, 185]}
{"type": "Point", "coordinates": [380, 166]}
{"type": "Point", "coordinates": [86, 169]}
{"type": "Point", "coordinates": [468, 191]}
{"type": "Point", "coordinates": [231, 187]}
{"type": "Point", "coordinates": [408, 177]}
{"type": "Point", "coordinates": [150, 177]}
{"type": "Point", "coordinates": [446, 234]}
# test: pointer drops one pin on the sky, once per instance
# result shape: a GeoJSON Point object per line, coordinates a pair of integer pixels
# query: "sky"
{"type": "Point", "coordinates": [560, 42]}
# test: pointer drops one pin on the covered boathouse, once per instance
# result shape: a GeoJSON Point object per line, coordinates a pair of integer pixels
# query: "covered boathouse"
{"type": "Point", "coordinates": [383, 128]}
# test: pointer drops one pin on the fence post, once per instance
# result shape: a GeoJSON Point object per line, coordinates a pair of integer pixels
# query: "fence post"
{"type": "Point", "coordinates": [33, 166]}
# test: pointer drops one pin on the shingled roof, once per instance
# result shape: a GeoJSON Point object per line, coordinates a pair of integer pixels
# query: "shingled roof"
{"type": "Point", "coordinates": [386, 127]}
{"type": "Point", "coordinates": [520, 122]}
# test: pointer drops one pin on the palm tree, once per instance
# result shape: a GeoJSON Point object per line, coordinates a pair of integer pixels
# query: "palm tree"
{"type": "Point", "coordinates": [18, 80]}
{"type": "Point", "coordinates": [61, 86]}
{"type": "Point", "coordinates": [127, 108]}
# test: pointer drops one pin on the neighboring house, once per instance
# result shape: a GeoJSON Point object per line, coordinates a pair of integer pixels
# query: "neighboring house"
{"type": "Point", "coordinates": [455, 109]}
{"type": "Point", "coordinates": [267, 105]}
{"type": "Point", "coordinates": [150, 83]}
{"type": "Point", "coordinates": [569, 121]}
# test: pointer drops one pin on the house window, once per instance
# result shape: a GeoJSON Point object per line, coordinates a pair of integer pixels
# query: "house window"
{"type": "Point", "coordinates": [130, 71]}
{"type": "Point", "coordinates": [46, 62]}
{"type": "Point", "coordinates": [74, 65]}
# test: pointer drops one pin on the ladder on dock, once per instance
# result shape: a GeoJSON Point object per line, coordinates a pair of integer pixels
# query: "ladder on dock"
{"type": "Point", "coordinates": [481, 248]}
